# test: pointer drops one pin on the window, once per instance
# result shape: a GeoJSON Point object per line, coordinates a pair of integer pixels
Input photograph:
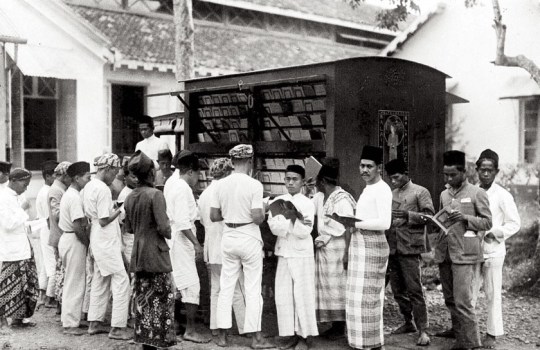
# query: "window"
{"type": "Point", "coordinates": [127, 105]}
{"type": "Point", "coordinates": [39, 123]}
{"type": "Point", "coordinates": [530, 111]}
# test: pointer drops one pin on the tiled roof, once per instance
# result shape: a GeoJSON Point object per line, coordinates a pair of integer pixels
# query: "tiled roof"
{"type": "Point", "coordinates": [150, 39]}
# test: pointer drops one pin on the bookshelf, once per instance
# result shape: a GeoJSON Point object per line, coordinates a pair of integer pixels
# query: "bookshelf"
{"type": "Point", "coordinates": [326, 109]}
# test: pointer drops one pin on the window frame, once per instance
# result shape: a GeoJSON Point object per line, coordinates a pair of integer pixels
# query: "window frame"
{"type": "Point", "coordinates": [523, 130]}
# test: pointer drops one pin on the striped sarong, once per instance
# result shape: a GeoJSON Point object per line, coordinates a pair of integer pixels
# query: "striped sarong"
{"type": "Point", "coordinates": [368, 258]}
{"type": "Point", "coordinates": [18, 288]}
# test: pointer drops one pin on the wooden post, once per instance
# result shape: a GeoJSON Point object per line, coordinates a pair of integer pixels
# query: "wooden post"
{"type": "Point", "coordinates": [3, 102]}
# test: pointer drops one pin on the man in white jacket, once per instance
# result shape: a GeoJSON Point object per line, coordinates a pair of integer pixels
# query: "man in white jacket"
{"type": "Point", "coordinates": [295, 274]}
{"type": "Point", "coordinates": [506, 222]}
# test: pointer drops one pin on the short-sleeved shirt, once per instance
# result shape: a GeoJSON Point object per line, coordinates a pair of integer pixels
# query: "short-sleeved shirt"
{"type": "Point", "coordinates": [236, 195]}
{"type": "Point", "coordinates": [151, 146]}
{"type": "Point", "coordinates": [213, 230]}
{"type": "Point", "coordinates": [54, 196]}
{"type": "Point", "coordinates": [42, 209]}
{"type": "Point", "coordinates": [71, 209]}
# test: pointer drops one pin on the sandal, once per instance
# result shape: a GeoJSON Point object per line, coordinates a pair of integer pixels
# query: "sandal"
{"type": "Point", "coordinates": [23, 324]}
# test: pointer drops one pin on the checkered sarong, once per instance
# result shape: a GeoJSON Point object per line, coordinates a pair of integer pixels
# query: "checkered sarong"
{"type": "Point", "coordinates": [368, 258]}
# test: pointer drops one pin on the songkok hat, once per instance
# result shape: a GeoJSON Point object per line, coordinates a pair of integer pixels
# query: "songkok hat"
{"type": "Point", "coordinates": [61, 168]}
{"type": "Point", "coordinates": [78, 168]}
{"type": "Point", "coordinates": [220, 166]}
{"type": "Point", "coordinates": [107, 160]}
{"type": "Point", "coordinates": [19, 174]}
{"type": "Point", "coordinates": [145, 119]}
{"type": "Point", "coordinates": [372, 153]}
{"type": "Point", "coordinates": [396, 166]}
{"type": "Point", "coordinates": [241, 151]}
{"type": "Point", "coordinates": [298, 169]}
{"type": "Point", "coordinates": [329, 169]}
{"type": "Point", "coordinates": [454, 158]}
{"type": "Point", "coordinates": [140, 164]}
{"type": "Point", "coordinates": [489, 154]}
{"type": "Point", "coordinates": [5, 167]}
{"type": "Point", "coordinates": [187, 159]}
{"type": "Point", "coordinates": [49, 165]}
{"type": "Point", "coordinates": [164, 155]}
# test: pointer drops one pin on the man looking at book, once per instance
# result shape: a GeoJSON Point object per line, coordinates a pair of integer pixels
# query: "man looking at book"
{"type": "Point", "coordinates": [295, 274]}
{"type": "Point", "coordinates": [238, 201]}
{"type": "Point", "coordinates": [407, 239]}
{"type": "Point", "coordinates": [459, 251]}
{"type": "Point", "coordinates": [506, 222]}
{"type": "Point", "coordinates": [330, 275]}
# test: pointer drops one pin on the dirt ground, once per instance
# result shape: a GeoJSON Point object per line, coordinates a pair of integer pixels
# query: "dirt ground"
{"type": "Point", "coordinates": [521, 316]}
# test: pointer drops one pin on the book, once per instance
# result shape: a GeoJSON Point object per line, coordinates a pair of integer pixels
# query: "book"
{"type": "Point", "coordinates": [215, 99]}
{"type": "Point", "coordinates": [287, 92]}
{"type": "Point", "coordinates": [298, 91]}
{"type": "Point", "coordinates": [440, 219]}
{"type": "Point", "coordinates": [283, 207]}
{"type": "Point", "coordinates": [233, 136]}
{"type": "Point", "coordinates": [312, 167]}
{"type": "Point", "coordinates": [345, 220]}
{"type": "Point", "coordinates": [320, 89]}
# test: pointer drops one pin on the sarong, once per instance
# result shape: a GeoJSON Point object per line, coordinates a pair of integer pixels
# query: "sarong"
{"type": "Point", "coordinates": [18, 289]}
{"type": "Point", "coordinates": [153, 307]}
{"type": "Point", "coordinates": [58, 279]}
{"type": "Point", "coordinates": [368, 258]}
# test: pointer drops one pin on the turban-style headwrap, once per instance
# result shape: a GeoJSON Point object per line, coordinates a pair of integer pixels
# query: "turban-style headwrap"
{"type": "Point", "coordinates": [220, 166]}
{"type": "Point", "coordinates": [241, 151]}
{"type": "Point", "coordinates": [107, 160]}
{"type": "Point", "coordinates": [61, 168]}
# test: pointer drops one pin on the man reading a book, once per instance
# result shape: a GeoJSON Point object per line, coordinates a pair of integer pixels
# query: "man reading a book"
{"type": "Point", "coordinates": [506, 222]}
{"type": "Point", "coordinates": [295, 274]}
{"type": "Point", "coordinates": [407, 239]}
{"type": "Point", "coordinates": [459, 251]}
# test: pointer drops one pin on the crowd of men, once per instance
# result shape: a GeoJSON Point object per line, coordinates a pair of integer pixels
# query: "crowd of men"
{"type": "Point", "coordinates": [94, 254]}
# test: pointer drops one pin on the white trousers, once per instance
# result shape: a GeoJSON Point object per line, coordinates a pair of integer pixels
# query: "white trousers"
{"type": "Point", "coordinates": [49, 261]}
{"type": "Point", "coordinates": [241, 252]}
{"type": "Point", "coordinates": [238, 302]}
{"type": "Point", "coordinates": [100, 293]}
{"type": "Point", "coordinates": [38, 258]}
{"type": "Point", "coordinates": [295, 297]}
{"type": "Point", "coordinates": [73, 255]}
{"type": "Point", "coordinates": [492, 276]}
{"type": "Point", "coordinates": [89, 276]}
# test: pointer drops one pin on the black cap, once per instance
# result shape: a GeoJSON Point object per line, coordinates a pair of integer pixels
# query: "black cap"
{"type": "Point", "coordinates": [49, 166]}
{"type": "Point", "coordinates": [396, 166]}
{"type": "Point", "coordinates": [140, 164]}
{"type": "Point", "coordinates": [372, 153]}
{"type": "Point", "coordinates": [164, 155]}
{"type": "Point", "coordinates": [187, 159]}
{"type": "Point", "coordinates": [298, 169]}
{"type": "Point", "coordinates": [329, 169]}
{"type": "Point", "coordinates": [489, 154]}
{"type": "Point", "coordinates": [454, 158]}
{"type": "Point", "coordinates": [5, 167]}
{"type": "Point", "coordinates": [145, 119]}
{"type": "Point", "coordinates": [78, 168]}
{"type": "Point", "coordinates": [19, 174]}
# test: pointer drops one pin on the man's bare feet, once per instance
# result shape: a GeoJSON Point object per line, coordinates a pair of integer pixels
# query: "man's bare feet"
{"type": "Point", "coordinates": [73, 331]}
{"type": "Point", "coordinates": [222, 338]}
{"type": "Point", "coordinates": [95, 327]}
{"type": "Point", "coordinates": [489, 341]}
{"type": "Point", "coordinates": [290, 343]}
{"type": "Point", "coordinates": [120, 333]}
{"type": "Point", "coordinates": [423, 339]}
{"type": "Point", "coordinates": [259, 342]}
{"type": "Point", "coordinates": [196, 337]}
{"type": "Point", "coordinates": [302, 344]}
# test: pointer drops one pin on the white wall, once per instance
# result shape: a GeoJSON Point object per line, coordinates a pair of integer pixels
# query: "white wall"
{"type": "Point", "coordinates": [461, 43]}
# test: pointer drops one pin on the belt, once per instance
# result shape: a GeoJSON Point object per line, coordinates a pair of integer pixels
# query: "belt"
{"type": "Point", "coordinates": [69, 231]}
{"type": "Point", "coordinates": [231, 225]}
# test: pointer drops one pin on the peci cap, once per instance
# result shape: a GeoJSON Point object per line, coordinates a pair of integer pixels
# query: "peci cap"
{"type": "Point", "coordinates": [489, 154]}
{"type": "Point", "coordinates": [49, 165]}
{"type": "Point", "coordinates": [19, 174]}
{"type": "Point", "coordinates": [140, 164]}
{"type": "Point", "coordinates": [164, 155]}
{"type": "Point", "coordinates": [372, 153]}
{"type": "Point", "coordinates": [451, 158]}
{"type": "Point", "coordinates": [329, 169]}
{"type": "Point", "coordinates": [78, 168]}
{"type": "Point", "coordinates": [396, 166]}
{"type": "Point", "coordinates": [298, 169]}
{"type": "Point", "coordinates": [241, 151]}
{"type": "Point", "coordinates": [5, 167]}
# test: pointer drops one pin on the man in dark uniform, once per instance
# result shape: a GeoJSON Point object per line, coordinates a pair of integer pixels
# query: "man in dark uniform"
{"type": "Point", "coordinates": [459, 250]}
{"type": "Point", "coordinates": [407, 239]}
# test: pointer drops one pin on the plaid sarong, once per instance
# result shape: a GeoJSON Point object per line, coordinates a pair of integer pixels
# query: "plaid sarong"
{"type": "Point", "coordinates": [18, 288]}
{"type": "Point", "coordinates": [368, 258]}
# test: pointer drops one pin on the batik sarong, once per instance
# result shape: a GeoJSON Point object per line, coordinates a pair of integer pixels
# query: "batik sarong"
{"type": "Point", "coordinates": [368, 258]}
{"type": "Point", "coordinates": [153, 307]}
{"type": "Point", "coordinates": [18, 289]}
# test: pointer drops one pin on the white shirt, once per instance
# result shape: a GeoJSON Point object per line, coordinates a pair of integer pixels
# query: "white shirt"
{"type": "Point", "coordinates": [150, 146]}
{"type": "Point", "coordinates": [71, 209]}
{"type": "Point", "coordinates": [181, 207]}
{"type": "Point", "coordinates": [236, 195]}
{"type": "Point", "coordinates": [506, 220]}
{"type": "Point", "coordinates": [42, 208]}
{"type": "Point", "coordinates": [121, 199]}
{"type": "Point", "coordinates": [374, 207]}
{"type": "Point", "coordinates": [294, 240]}
{"type": "Point", "coordinates": [14, 244]}
{"type": "Point", "coordinates": [213, 231]}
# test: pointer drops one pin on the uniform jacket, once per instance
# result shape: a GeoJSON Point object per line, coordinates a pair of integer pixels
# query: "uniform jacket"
{"type": "Point", "coordinates": [409, 236]}
{"type": "Point", "coordinates": [463, 243]}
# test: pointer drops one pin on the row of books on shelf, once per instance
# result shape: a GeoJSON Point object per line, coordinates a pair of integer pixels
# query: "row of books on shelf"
{"type": "Point", "coordinates": [281, 163]}
{"type": "Point", "coordinates": [220, 124]}
{"type": "Point", "coordinates": [274, 188]}
{"type": "Point", "coordinates": [224, 136]}
{"type": "Point", "coordinates": [308, 120]}
{"type": "Point", "coordinates": [223, 111]}
{"type": "Point", "coordinates": [232, 97]}
{"type": "Point", "coordinates": [295, 106]}
{"type": "Point", "coordinates": [299, 91]}
{"type": "Point", "coordinates": [294, 134]}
